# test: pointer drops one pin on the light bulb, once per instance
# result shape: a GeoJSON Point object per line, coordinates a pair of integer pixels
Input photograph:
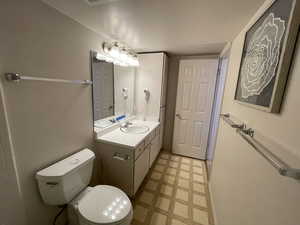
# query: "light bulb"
{"type": "Point", "coordinates": [118, 54]}
{"type": "Point", "coordinates": [123, 56]}
{"type": "Point", "coordinates": [113, 216]}
{"type": "Point", "coordinates": [108, 59]}
{"type": "Point", "coordinates": [135, 61]}
{"type": "Point", "coordinates": [103, 57]}
{"type": "Point", "coordinates": [119, 63]}
{"type": "Point", "coordinates": [99, 56]}
{"type": "Point", "coordinates": [114, 52]}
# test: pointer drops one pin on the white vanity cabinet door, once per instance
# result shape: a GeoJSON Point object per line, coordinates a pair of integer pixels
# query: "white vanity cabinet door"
{"type": "Point", "coordinates": [141, 168]}
{"type": "Point", "coordinates": [154, 150]}
{"type": "Point", "coordinates": [116, 166]}
{"type": "Point", "coordinates": [139, 150]}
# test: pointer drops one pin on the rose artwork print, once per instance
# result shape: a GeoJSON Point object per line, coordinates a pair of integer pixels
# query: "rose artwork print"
{"type": "Point", "coordinates": [262, 56]}
{"type": "Point", "coordinates": [266, 57]}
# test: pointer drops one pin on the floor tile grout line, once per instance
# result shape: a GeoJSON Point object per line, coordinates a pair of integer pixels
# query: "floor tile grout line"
{"type": "Point", "coordinates": [169, 179]}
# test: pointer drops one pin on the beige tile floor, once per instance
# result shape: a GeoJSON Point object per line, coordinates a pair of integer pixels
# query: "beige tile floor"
{"type": "Point", "coordinates": [174, 193]}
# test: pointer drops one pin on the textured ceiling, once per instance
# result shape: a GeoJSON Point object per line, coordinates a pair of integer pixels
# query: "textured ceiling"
{"type": "Point", "coordinates": [176, 26]}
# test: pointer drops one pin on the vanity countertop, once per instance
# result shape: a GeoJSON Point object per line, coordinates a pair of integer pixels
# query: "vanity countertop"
{"type": "Point", "coordinates": [127, 140]}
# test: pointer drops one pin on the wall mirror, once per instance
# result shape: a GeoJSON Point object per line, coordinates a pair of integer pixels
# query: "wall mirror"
{"type": "Point", "coordinates": [113, 92]}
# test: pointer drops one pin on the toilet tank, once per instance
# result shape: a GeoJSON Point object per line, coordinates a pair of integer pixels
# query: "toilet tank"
{"type": "Point", "coordinates": [62, 181]}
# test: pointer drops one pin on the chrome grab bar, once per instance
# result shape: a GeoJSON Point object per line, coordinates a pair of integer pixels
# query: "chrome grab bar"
{"type": "Point", "coordinates": [17, 78]}
{"type": "Point", "coordinates": [248, 135]}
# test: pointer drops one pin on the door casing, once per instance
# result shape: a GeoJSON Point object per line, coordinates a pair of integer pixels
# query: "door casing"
{"type": "Point", "coordinates": [195, 94]}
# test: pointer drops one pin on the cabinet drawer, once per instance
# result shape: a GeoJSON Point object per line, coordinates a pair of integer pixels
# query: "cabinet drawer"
{"type": "Point", "coordinates": [140, 148]}
{"type": "Point", "coordinates": [141, 168]}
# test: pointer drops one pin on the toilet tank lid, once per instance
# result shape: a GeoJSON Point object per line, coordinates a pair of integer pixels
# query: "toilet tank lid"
{"type": "Point", "coordinates": [65, 166]}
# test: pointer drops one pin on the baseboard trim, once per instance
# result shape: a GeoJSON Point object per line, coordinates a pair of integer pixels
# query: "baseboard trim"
{"type": "Point", "coordinates": [213, 208]}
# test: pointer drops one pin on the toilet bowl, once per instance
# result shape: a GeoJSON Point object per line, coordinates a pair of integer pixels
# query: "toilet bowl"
{"type": "Point", "coordinates": [66, 182]}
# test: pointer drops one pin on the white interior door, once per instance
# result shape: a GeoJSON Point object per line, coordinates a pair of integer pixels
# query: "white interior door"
{"type": "Point", "coordinates": [195, 93]}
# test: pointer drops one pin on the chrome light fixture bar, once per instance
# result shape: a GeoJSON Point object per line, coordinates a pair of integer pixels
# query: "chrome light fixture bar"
{"type": "Point", "coordinates": [118, 54]}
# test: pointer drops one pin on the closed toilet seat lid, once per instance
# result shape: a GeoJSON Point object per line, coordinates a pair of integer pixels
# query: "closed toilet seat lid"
{"type": "Point", "coordinates": [105, 205]}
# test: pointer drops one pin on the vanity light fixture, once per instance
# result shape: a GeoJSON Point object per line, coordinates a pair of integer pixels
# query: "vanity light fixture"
{"type": "Point", "coordinates": [118, 54]}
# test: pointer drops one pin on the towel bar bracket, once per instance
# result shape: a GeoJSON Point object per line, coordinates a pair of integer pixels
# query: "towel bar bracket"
{"type": "Point", "coordinates": [248, 131]}
{"type": "Point", "coordinates": [13, 77]}
{"type": "Point", "coordinates": [290, 172]}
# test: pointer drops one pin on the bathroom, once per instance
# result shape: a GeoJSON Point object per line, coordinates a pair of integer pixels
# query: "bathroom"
{"type": "Point", "coordinates": [45, 122]}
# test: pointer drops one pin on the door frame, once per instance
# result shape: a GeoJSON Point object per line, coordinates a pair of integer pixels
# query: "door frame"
{"type": "Point", "coordinates": [217, 107]}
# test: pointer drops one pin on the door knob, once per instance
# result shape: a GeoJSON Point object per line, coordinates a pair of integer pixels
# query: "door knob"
{"type": "Point", "coordinates": [178, 116]}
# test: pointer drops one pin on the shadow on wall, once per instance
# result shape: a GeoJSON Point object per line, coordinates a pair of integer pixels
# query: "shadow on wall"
{"type": "Point", "coordinates": [173, 69]}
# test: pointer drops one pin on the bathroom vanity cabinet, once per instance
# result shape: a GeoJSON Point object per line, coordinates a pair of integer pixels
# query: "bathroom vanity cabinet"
{"type": "Point", "coordinates": [127, 158]}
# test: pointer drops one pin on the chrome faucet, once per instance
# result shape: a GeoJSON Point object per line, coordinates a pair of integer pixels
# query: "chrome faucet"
{"type": "Point", "coordinates": [126, 124]}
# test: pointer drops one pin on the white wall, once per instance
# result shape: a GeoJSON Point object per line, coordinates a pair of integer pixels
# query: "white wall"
{"type": "Point", "coordinates": [245, 188]}
{"type": "Point", "coordinates": [48, 121]}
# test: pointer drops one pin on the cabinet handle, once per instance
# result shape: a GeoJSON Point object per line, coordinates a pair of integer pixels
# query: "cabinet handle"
{"type": "Point", "coordinates": [179, 116]}
{"type": "Point", "coordinates": [119, 157]}
{"type": "Point", "coordinates": [52, 183]}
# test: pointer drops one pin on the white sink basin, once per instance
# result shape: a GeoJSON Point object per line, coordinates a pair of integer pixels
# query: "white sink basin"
{"type": "Point", "coordinates": [135, 129]}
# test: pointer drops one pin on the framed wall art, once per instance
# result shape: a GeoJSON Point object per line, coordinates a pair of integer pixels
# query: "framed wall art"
{"type": "Point", "coordinates": [267, 54]}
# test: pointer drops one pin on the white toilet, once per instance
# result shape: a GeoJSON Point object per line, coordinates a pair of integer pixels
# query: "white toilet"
{"type": "Point", "coordinates": [66, 181]}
